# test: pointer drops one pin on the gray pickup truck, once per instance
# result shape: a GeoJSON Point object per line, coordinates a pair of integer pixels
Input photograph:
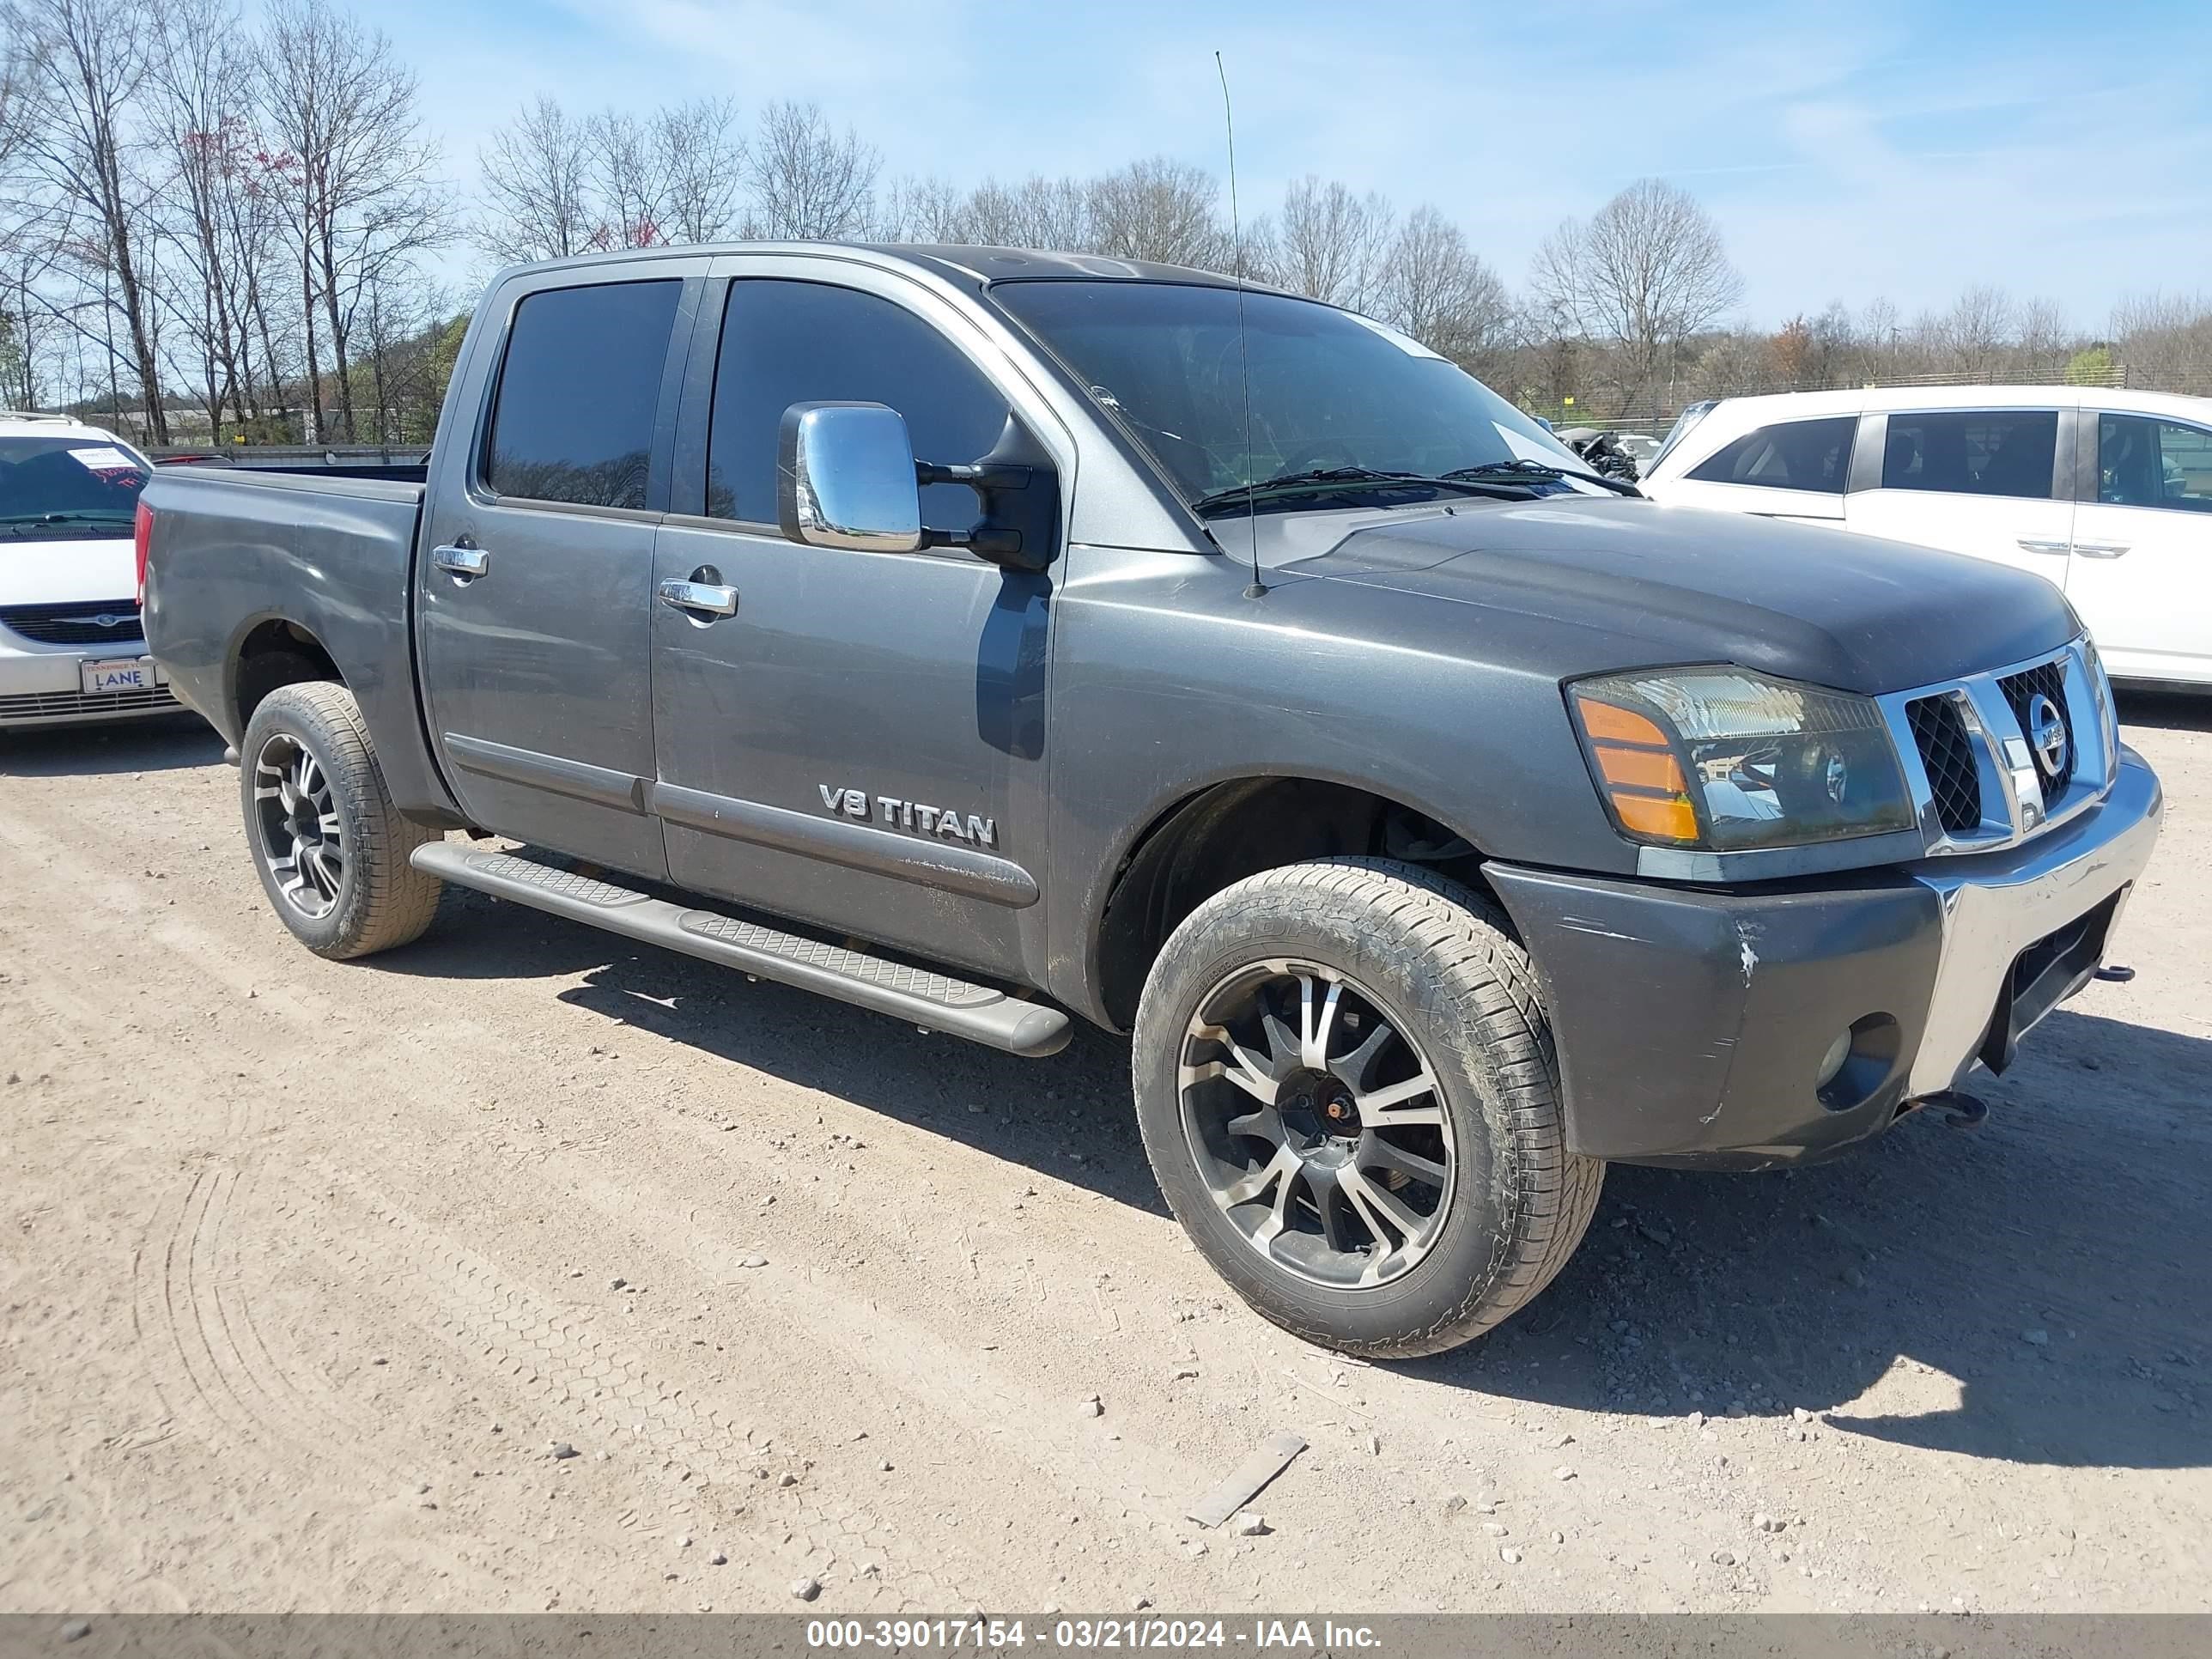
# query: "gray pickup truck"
{"type": "Point", "coordinates": [1442, 820]}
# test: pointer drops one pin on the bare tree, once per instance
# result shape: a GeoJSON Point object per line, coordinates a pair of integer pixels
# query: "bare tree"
{"type": "Point", "coordinates": [200, 96]}
{"type": "Point", "coordinates": [2164, 339]}
{"type": "Point", "coordinates": [927, 211]}
{"type": "Point", "coordinates": [1332, 244]}
{"type": "Point", "coordinates": [77, 65]}
{"type": "Point", "coordinates": [1158, 208]}
{"type": "Point", "coordinates": [1647, 271]}
{"type": "Point", "coordinates": [534, 174]}
{"type": "Point", "coordinates": [701, 157]}
{"type": "Point", "coordinates": [2044, 339]}
{"type": "Point", "coordinates": [809, 182]}
{"type": "Point", "coordinates": [1975, 330]}
{"type": "Point", "coordinates": [1435, 287]}
{"type": "Point", "coordinates": [629, 178]}
{"type": "Point", "coordinates": [363, 200]}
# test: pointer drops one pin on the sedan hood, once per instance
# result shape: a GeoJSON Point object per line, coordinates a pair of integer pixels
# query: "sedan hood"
{"type": "Point", "coordinates": [1571, 584]}
{"type": "Point", "coordinates": [45, 571]}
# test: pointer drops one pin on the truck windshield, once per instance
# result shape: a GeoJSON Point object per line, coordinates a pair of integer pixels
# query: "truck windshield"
{"type": "Point", "coordinates": [1342, 405]}
{"type": "Point", "coordinates": [67, 488]}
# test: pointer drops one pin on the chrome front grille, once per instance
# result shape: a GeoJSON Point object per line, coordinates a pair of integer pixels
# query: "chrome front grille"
{"type": "Point", "coordinates": [1978, 778]}
{"type": "Point", "coordinates": [2046, 680]}
{"type": "Point", "coordinates": [98, 622]}
{"type": "Point", "coordinates": [1946, 753]}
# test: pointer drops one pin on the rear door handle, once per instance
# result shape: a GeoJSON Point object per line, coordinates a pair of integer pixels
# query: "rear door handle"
{"type": "Point", "coordinates": [464, 562]}
{"type": "Point", "coordinates": [700, 599]}
{"type": "Point", "coordinates": [2100, 550]}
{"type": "Point", "coordinates": [2028, 544]}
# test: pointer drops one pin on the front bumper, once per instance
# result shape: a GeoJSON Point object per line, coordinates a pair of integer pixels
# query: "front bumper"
{"type": "Point", "coordinates": [42, 685]}
{"type": "Point", "coordinates": [1691, 1022]}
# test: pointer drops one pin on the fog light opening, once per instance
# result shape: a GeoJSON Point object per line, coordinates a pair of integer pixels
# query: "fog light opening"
{"type": "Point", "coordinates": [1859, 1063]}
{"type": "Point", "coordinates": [1832, 1062]}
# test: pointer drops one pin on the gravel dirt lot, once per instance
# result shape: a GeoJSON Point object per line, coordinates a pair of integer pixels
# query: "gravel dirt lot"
{"type": "Point", "coordinates": [308, 1270]}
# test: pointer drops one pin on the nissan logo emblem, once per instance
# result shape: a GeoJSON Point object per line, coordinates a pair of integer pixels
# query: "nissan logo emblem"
{"type": "Point", "coordinates": [2046, 734]}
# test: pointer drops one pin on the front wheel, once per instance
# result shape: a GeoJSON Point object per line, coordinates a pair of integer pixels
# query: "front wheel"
{"type": "Point", "coordinates": [1345, 1084]}
{"type": "Point", "coordinates": [328, 844]}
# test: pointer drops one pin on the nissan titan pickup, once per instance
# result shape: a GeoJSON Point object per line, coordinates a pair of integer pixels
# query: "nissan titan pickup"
{"type": "Point", "coordinates": [995, 639]}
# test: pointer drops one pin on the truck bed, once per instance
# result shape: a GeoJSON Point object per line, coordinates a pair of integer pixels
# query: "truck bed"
{"type": "Point", "coordinates": [336, 551]}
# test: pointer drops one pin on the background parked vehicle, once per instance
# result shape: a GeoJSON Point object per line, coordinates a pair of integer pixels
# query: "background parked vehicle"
{"type": "Point", "coordinates": [71, 649]}
{"type": "Point", "coordinates": [1602, 450]}
{"type": "Point", "coordinates": [2107, 494]}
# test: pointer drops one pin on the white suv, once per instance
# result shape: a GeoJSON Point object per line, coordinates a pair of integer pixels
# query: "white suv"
{"type": "Point", "coordinates": [2106, 494]}
{"type": "Point", "coordinates": [71, 651]}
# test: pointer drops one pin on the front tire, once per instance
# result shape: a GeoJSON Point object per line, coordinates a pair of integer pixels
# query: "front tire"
{"type": "Point", "coordinates": [1346, 1083]}
{"type": "Point", "coordinates": [328, 846]}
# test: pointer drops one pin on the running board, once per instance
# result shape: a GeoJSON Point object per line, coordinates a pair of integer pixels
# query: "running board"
{"type": "Point", "coordinates": [917, 994]}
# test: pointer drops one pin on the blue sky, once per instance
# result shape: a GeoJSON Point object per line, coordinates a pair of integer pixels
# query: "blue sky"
{"type": "Point", "coordinates": [1848, 151]}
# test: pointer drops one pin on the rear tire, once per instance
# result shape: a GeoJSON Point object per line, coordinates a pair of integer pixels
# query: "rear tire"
{"type": "Point", "coordinates": [328, 846]}
{"type": "Point", "coordinates": [1461, 1202]}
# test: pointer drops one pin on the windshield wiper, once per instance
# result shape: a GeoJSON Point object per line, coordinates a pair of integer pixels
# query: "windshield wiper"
{"type": "Point", "coordinates": [21, 520]}
{"type": "Point", "coordinates": [1539, 472]}
{"type": "Point", "coordinates": [1326, 478]}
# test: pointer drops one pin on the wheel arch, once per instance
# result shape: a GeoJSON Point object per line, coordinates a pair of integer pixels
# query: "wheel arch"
{"type": "Point", "coordinates": [1211, 835]}
{"type": "Point", "coordinates": [272, 651]}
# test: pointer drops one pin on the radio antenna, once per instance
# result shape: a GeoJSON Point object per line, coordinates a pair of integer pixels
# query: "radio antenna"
{"type": "Point", "coordinates": [1244, 348]}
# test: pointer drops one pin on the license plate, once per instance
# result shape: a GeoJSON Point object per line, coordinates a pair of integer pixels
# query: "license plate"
{"type": "Point", "coordinates": [100, 679]}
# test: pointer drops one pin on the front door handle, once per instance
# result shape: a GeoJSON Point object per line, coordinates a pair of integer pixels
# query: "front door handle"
{"type": "Point", "coordinates": [2100, 550]}
{"type": "Point", "coordinates": [2029, 544]}
{"type": "Point", "coordinates": [464, 562]}
{"type": "Point", "coordinates": [699, 598]}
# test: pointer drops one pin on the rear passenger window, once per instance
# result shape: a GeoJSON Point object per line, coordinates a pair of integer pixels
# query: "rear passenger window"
{"type": "Point", "coordinates": [578, 392]}
{"type": "Point", "coordinates": [1814, 455]}
{"type": "Point", "coordinates": [786, 342]}
{"type": "Point", "coordinates": [1980, 453]}
{"type": "Point", "coordinates": [2146, 463]}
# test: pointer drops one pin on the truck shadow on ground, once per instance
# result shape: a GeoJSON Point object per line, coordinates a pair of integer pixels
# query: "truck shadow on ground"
{"type": "Point", "coordinates": [2036, 1290]}
{"type": "Point", "coordinates": [2167, 711]}
{"type": "Point", "coordinates": [158, 744]}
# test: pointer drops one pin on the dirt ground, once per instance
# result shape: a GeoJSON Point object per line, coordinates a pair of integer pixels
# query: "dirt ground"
{"type": "Point", "coordinates": [307, 1267]}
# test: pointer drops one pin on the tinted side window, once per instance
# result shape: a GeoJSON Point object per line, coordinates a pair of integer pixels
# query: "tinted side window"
{"type": "Point", "coordinates": [1814, 455]}
{"type": "Point", "coordinates": [1980, 453]}
{"type": "Point", "coordinates": [577, 392]}
{"type": "Point", "coordinates": [2146, 463]}
{"type": "Point", "coordinates": [786, 343]}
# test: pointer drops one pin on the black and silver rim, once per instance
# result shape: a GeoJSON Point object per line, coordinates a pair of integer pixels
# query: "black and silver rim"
{"type": "Point", "coordinates": [1317, 1124]}
{"type": "Point", "coordinates": [301, 837]}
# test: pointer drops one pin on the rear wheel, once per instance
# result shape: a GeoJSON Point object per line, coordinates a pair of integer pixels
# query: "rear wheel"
{"type": "Point", "coordinates": [1345, 1084]}
{"type": "Point", "coordinates": [328, 846]}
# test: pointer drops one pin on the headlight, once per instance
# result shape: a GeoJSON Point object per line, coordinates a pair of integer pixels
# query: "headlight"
{"type": "Point", "coordinates": [1725, 758]}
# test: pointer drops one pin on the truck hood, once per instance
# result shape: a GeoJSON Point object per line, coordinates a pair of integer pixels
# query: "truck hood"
{"type": "Point", "coordinates": [49, 572]}
{"type": "Point", "coordinates": [1582, 584]}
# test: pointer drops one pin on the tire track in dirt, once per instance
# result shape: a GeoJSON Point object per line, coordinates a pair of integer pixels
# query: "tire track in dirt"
{"type": "Point", "coordinates": [893, 1364]}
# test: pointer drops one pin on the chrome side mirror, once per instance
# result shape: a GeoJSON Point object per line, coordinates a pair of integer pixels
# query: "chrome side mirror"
{"type": "Point", "coordinates": [845, 477]}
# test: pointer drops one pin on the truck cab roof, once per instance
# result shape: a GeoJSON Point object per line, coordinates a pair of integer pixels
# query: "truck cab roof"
{"type": "Point", "coordinates": [971, 264]}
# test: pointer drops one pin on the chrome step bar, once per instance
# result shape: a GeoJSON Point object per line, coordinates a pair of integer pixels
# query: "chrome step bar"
{"type": "Point", "coordinates": [918, 995]}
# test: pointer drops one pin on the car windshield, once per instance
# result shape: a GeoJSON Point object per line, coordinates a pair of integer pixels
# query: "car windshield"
{"type": "Point", "coordinates": [72, 487]}
{"type": "Point", "coordinates": [1340, 406]}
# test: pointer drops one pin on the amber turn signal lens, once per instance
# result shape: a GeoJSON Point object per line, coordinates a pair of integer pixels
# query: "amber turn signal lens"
{"type": "Point", "coordinates": [1643, 780]}
{"type": "Point", "coordinates": [1673, 819]}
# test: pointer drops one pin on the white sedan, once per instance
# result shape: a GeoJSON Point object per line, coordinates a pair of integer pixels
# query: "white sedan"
{"type": "Point", "coordinates": [2106, 494]}
{"type": "Point", "coordinates": [71, 650]}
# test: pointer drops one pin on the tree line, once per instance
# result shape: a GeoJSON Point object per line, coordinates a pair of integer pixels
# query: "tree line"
{"type": "Point", "coordinates": [235, 228]}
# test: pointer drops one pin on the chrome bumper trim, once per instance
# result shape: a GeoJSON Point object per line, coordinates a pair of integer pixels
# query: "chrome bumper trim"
{"type": "Point", "coordinates": [1995, 906]}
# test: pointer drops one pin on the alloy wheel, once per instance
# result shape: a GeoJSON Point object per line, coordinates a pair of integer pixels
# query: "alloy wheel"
{"type": "Point", "coordinates": [302, 835]}
{"type": "Point", "coordinates": [1317, 1124]}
